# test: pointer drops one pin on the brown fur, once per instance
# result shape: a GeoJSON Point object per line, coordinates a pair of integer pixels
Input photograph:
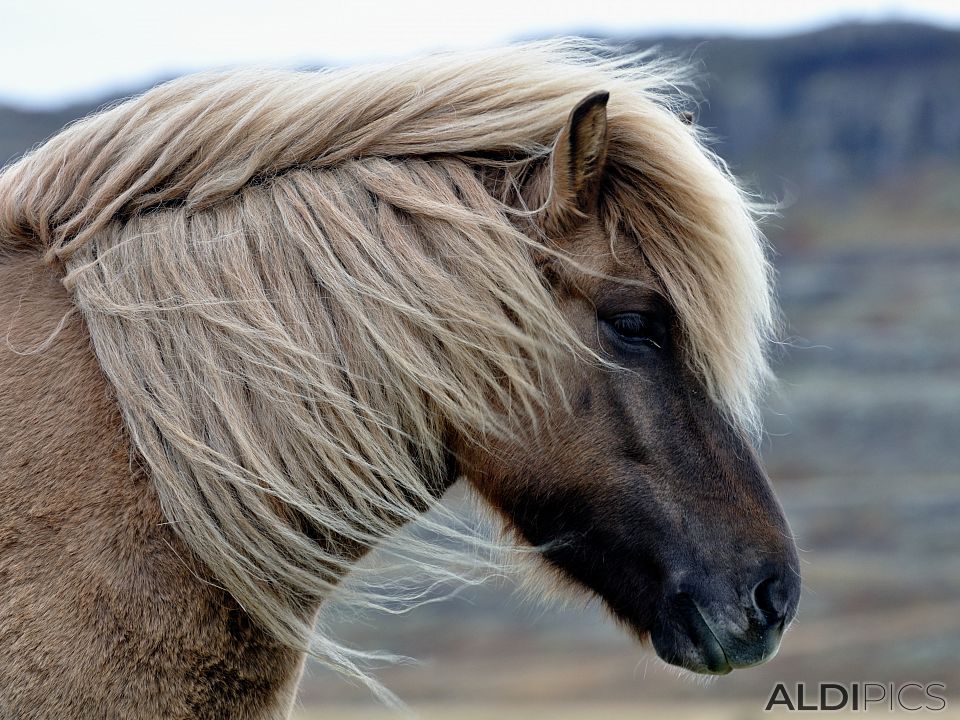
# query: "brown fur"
{"type": "Point", "coordinates": [103, 613]}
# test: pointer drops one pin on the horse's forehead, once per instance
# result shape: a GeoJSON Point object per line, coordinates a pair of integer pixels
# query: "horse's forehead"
{"type": "Point", "coordinates": [620, 257]}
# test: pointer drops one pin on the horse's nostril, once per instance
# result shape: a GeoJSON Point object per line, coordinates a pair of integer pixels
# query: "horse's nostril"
{"type": "Point", "coordinates": [770, 605]}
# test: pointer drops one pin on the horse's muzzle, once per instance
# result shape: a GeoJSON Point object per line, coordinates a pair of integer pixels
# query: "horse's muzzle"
{"type": "Point", "coordinates": [710, 632]}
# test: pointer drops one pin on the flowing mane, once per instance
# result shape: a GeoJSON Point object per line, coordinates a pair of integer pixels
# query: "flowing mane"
{"type": "Point", "coordinates": [296, 281]}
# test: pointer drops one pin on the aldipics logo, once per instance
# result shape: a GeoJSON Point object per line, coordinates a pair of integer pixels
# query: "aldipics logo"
{"type": "Point", "coordinates": [859, 696]}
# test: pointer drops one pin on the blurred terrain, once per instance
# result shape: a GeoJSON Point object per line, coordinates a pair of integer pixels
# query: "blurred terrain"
{"type": "Point", "coordinates": [855, 130]}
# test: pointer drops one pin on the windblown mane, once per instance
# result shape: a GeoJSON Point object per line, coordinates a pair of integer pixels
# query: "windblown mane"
{"type": "Point", "coordinates": [296, 282]}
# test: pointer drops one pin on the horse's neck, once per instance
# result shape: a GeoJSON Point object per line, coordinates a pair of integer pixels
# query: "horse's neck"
{"type": "Point", "coordinates": [102, 610]}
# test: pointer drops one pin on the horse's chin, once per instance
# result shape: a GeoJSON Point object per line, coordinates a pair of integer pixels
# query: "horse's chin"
{"type": "Point", "coordinates": [689, 646]}
{"type": "Point", "coordinates": [696, 650]}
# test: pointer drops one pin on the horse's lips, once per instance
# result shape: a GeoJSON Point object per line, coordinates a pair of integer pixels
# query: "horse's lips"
{"type": "Point", "coordinates": [689, 640]}
{"type": "Point", "coordinates": [715, 657]}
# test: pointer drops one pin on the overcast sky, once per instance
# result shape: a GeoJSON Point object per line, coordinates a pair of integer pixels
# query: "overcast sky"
{"type": "Point", "coordinates": [53, 51]}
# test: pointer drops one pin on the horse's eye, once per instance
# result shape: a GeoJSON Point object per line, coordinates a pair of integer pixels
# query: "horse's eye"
{"type": "Point", "coordinates": [637, 329]}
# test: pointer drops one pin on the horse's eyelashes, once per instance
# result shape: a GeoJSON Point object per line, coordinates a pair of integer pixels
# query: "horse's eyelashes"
{"type": "Point", "coordinates": [638, 329]}
{"type": "Point", "coordinates": [630, 325]}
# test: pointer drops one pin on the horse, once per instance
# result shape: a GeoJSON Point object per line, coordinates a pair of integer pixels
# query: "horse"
{"type": "Point", "coordinates": [257, 322]}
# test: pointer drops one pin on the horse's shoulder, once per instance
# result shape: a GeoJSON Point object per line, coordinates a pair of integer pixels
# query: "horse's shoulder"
{"type": "Point", "coordinates": [99, 599]}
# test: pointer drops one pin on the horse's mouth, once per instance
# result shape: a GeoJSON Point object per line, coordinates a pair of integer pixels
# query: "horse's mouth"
{"type": "Point", "coordinates": [685, 638]}
{"type": "Point", "coordinates": [709, 625]}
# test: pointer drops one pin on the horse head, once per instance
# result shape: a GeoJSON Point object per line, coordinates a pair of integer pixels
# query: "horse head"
{"type": "Point", "coordinates": [643, 491]}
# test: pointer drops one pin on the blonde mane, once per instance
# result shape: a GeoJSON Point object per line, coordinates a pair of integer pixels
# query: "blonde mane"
{"type": "Point", "coordinates": [298, 283]}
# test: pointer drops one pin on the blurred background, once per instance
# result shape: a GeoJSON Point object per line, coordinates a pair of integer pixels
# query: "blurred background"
{"type": "Point", "coordinates": [848, 113]}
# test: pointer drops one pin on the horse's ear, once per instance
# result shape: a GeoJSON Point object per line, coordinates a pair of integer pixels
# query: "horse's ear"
{"type": "Point", "coordinates": [577, 162]}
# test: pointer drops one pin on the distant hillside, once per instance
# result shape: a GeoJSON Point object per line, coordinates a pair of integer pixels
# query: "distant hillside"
{"type": "Point", "coordinates": [21, 129]}
{"type": "Point", "coordinates": [831, 109]}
